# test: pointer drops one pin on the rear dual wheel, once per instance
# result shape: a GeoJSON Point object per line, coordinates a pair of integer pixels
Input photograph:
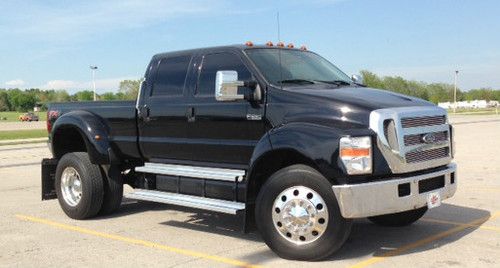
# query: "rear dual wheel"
{"type": "Point", "coordinates": [83, 189]}
{"type": "Point", "coordinates": [298, 215]}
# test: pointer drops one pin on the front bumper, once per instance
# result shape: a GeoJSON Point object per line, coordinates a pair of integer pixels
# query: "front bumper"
{"type": "Point", "coordinates": [383, 197]}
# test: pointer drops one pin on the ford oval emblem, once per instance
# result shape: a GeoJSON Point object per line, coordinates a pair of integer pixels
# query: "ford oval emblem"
{"type": "Point", "coordinates": [429, 138]}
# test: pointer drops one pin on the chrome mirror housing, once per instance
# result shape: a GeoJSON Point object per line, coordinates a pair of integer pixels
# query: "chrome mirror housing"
{"type": "Point", "coordinates": [226, 86]}
{"type": "Point", "coordinates": [358, 79]}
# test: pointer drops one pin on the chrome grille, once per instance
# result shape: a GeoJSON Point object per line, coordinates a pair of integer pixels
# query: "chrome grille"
{"type": "Point", "coordinates": [423, 121]}
{"type": "Point", "coordinates": [418, 138]}
{"type": "Point", "coordinates": [420, 156]}
{"type": "Point", "coordinates": [412, 138]}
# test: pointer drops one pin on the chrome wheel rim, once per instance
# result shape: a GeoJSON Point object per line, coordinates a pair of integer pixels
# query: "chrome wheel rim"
{"type": "Point", "coordinates": [300, 215]}
{"type": "Point", "coordinates": [71, 186]}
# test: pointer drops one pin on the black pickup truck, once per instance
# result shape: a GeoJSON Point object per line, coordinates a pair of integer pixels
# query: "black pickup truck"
{"type": "Point", "coordinates": [275, 134]}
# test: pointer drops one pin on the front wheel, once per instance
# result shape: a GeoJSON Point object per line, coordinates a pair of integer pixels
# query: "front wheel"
{"type": "Point", "coordinates": [399, 219]}
{"type": "Point", "coordinates": [298, 215]}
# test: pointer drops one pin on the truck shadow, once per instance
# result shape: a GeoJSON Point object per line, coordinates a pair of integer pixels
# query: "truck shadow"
{"type": "Point", "coordinates": [366, 239]}
{"type": "Point", "coordinates": [369, 239]}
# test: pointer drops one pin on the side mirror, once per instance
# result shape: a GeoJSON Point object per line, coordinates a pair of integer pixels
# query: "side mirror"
{"type": "Point", "coordinates": [357, 79]}
{"type": "Point", "coordinates": [226, 87]}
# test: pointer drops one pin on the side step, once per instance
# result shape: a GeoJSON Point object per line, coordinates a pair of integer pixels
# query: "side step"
{"type": "Point", "coordinates": [223, 174]}
{"type": "Point", "coordinates": [223, 206]}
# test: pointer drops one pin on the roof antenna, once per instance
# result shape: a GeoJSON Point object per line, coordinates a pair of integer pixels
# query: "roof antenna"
{"type": "Point", "coordinates": [279, 50]}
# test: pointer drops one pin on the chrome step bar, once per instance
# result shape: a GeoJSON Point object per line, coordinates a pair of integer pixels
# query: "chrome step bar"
{"type": "Point", "coordinates": [223, 206]}
{"type": "Point", "coordinates": [222, 174]}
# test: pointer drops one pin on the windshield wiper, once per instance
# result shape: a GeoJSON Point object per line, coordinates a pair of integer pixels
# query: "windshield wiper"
{"type": "Point", "coordinates": [296, 81]}
{"type": "Point", "coordinates": [337, 82]}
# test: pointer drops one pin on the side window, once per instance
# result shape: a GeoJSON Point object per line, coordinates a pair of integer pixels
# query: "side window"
{"type": "Point", "coordinates": [219, 62]}
{"type": "Point", "coordinates": [171, 76]}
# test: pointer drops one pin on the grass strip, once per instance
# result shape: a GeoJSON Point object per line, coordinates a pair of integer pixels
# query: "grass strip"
{"type": "Point", "coordinates": [23, 134]}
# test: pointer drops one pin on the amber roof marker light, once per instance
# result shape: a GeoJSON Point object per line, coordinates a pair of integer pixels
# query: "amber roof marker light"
{"type": "Point", "coordinates": [269, 44]}
{"type": "Point", "coordinates": [249, 44]}
{"type": "Point", "coordinates": [290, 45]}
{"type": "Point", "coordinates": [303, 48]}
{"type": "Point", "coordinates": [280, 44]}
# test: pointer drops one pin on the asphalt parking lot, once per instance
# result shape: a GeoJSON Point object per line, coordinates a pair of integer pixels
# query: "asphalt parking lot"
{"type": "Point", "coordinates": [464, 231]}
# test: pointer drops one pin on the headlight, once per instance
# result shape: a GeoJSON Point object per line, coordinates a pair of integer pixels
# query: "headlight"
{"type": "Point", "coordinates": [356, 154]}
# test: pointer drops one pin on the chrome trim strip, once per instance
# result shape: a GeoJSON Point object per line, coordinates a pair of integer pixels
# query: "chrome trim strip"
{"type": "Point", "coordinates": [379, 198]}
{"type": "Point", "coordinates": [223, 174]}
{"type": "Point", "coordinates": [223, 206]}
{"type": "Point", "coordinates": [424, 146]}
{"type": "Point", "coordinates": [420, 130]}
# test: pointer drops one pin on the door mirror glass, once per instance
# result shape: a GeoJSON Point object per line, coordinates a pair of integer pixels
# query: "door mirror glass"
{"type": "Point", "coordinates": [226, 86]}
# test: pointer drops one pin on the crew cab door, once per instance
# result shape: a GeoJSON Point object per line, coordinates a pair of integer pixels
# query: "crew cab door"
{"type": "Point", "coordinates": [222, 132]}
{"type": "Point", "coordinates": [162, 112]}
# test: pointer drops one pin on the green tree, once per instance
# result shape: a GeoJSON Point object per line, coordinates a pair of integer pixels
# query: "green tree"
{"type": "Point", "coordinates": [85, 95]}
{"type": "Point", "coordinates": [61, 96]}
{"type": "Point", "coordinates": [372, 80]}
{"type": "Point", "coordinates": [130, 88]}
{"type": "Point", "coordinates": [108, 96]}
{"type": "Point", "coordinates": [22, 101]}
{"type": "Point", "coordinates": [4, 101]}
{"type": "Point", "coordinates": [120, 96]}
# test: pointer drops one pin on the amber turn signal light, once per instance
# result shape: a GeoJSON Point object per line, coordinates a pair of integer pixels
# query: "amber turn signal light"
{"type": "Point", "coordinates": [354, 152]}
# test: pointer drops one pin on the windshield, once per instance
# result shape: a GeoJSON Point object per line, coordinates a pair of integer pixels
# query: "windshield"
{"type": "Point", "coordinates": [299, 67]}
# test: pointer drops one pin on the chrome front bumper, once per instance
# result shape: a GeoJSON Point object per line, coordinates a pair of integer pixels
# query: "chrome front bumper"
{"type": "Point", "coordinates": [382, 197]}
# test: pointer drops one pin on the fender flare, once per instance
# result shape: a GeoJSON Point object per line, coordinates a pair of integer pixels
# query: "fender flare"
{"type": "Point", "coordinates": [93, 131]}
{"type": "Point", "coordinates": [317, 144]}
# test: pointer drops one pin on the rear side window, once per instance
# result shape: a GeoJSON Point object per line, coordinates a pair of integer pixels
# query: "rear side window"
{"type": "Point", "coordinates": [219, 62]}
{"type": "Point", "coordinates": [171, 76]}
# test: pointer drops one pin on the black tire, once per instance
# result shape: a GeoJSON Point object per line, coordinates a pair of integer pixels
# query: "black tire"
{"type": "Point", "coordinates": [92, 189]}
{"type": "Point", "coordinates": [113, 191]}
{"type": "Point", "coordinates": [333, 237]}
{"type": "Point", "coordinates": [399, 219]}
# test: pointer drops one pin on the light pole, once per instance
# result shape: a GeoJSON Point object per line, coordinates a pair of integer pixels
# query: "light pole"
{"type": "Point", "coordinates": [93, 68]}
{"type": "Point", "coordinates": [455, 93]}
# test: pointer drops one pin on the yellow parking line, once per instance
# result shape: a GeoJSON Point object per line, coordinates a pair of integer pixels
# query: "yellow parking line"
{"type": "Point", "coordinates": [424, 241]}
{"type": "Point", "coordinates": [137, 242]}
{"type": "Point", "coordinates": [491, 228]}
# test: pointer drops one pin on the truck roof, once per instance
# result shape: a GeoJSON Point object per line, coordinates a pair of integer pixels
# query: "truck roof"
{"type": "Point", "coordinates": [240, 47]}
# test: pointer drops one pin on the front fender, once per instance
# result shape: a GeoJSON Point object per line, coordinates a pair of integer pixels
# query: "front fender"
{"type": "Point", "coordinates": [92, 129]}
{"type": "Point", "coordinates": [319, 143]}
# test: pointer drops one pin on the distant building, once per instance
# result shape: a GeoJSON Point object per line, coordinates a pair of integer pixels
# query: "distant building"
{"type": "Point", "coordinates": [474, 104]}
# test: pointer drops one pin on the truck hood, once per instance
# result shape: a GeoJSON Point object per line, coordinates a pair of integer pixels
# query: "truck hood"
{"type": "Point", "coordinates": [340, 107]}
{"type": "Point", "coordinates": [363, 97]}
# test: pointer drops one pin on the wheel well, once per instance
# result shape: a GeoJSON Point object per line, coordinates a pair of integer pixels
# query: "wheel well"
{"type": "Point", "coordinates": [269, 164]}
{"type": "Point", "coordinates": [67, 140]}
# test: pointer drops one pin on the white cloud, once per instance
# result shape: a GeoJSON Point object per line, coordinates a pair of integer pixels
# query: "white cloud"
{"type": "Point", "coordinates": [80, 19]}
{"type": "Point", "coordinates": [59, 84]}
{"type": "Point", "coordinates": [102, 85]}
{"type": "Point", "coordinates": [15, 83]}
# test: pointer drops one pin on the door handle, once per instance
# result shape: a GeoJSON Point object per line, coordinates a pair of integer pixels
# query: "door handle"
{"type": "Point", "coordinates": [191, 117]}
{"type": "Point", "coordinates": [146, 114]}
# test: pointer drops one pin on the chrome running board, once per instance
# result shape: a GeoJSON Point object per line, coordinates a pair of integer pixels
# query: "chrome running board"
{"type": "Point", "coordinates": [223, 174]}
{"type": "Point", "coordinates": [223, 206]}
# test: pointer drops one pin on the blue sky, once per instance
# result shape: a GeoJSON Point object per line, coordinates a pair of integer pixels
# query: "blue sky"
{"type": "Point", "coordinates": [50, 44]}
